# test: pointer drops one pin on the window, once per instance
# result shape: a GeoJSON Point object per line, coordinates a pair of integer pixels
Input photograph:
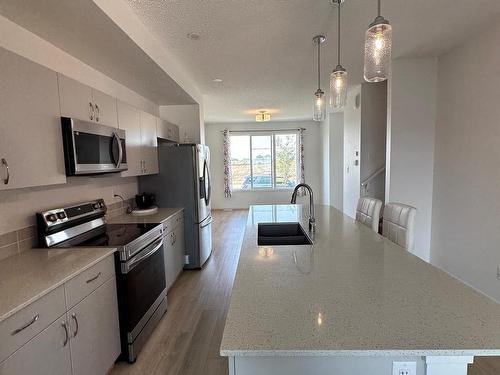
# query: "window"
{"type": "Point", "coordinates": [264, 161]}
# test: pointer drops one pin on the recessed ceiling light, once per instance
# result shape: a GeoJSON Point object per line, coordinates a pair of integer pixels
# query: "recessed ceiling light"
{"type": "Point", "coordinates": [193, 36]}
{"type": "Point", "coordinates": [218, 80]}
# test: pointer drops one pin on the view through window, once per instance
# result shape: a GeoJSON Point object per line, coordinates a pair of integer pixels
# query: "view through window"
{"type": "Point", "coordinates": [264, 160]}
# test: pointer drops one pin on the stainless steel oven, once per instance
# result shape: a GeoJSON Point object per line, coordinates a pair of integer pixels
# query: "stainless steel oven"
{"type": "Point", "coordinates": [140, 264]}
{"type": "Point", "coordinates": [92, 148]}
{"type": "Point", "coordinates": [142, 293]}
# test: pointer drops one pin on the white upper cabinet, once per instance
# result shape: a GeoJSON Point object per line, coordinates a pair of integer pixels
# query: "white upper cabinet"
{"type": "Point", "coordinates": [149, 143]}
{"type": "Point", "coordinates": [168, 131]}
{"type": "Point", "coordinates": [85, 103]}
{"type": "Point", "coordinates": [76, 99]}
{"type": "Point", "coordinates": [31, 149]}
{"type": "Point", "coordinates": [129, 119]}
{"type": "Point", "coordinates": [140, 128]}
{"type": "Point", "coordinates": [105, 108]}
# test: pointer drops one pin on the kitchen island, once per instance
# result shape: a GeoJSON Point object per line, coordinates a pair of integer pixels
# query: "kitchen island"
{"type": "Point", "coordinates": [353, 302]}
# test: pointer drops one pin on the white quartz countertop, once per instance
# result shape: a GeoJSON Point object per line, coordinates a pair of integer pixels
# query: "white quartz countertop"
{"type": "Point", "coordinates": [161, 215]}
{"type": "Point", "coordinates": [26, 277]}
{"type": "Point", "coordinates": [352, 293]}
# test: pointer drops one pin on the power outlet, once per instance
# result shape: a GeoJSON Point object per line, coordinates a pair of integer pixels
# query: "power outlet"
{"type": "Point", "coordinates": [404, 368]}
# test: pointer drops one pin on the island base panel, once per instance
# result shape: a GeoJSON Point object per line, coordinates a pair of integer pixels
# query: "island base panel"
{"type": "Point", "coordinates": [380, 365]}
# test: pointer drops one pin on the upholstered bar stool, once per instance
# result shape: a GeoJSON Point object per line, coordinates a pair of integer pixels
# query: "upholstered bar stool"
{"type": "Point", "coordinates": [368, 212]}
{"type": "Point", "coordinates": [399, 224]}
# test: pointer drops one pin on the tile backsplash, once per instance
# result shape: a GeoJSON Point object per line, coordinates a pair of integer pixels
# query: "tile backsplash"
{"type": "Point", "coordinates": [17, 241]}
{"type": "Point", "coordinates": [18, 229]}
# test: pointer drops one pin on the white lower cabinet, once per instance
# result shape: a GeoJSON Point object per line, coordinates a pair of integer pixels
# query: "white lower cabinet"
{"type": "Point", "coordinates": [84, 340]}
{"type": "Point", "coordinates": [45, 354]}
{"type": "Point", "coordinates": [94, 329]}
{"type": "Point", "coordinates": [174, 249]}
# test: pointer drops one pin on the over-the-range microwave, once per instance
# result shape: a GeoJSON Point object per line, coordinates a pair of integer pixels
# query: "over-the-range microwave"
{"type": "Point", "coordinates": [91, 148]}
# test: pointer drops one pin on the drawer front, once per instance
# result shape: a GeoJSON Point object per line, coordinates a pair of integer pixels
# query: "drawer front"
{"type": "Point", "coordinates": [171, 223]}
{"type": "Point", "coordinates": [85, 283]}
{"type": "Point", "coordinates": [18, 329]}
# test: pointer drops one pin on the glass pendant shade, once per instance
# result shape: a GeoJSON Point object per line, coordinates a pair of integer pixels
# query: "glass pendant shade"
{"type": "Point", "coordinates": [319, 106]}
{"type": "Point", "coordinates": [378, 46]}
{"type": "Point", "coordinates": [338, 87]}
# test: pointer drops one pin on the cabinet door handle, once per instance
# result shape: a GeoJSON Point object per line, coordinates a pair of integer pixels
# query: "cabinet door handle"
{"type": "Point", "coordinates": [77, 325]}
{"type": "Point", "coordinates": [6, 165]}
{"type": "Point", "coordinates": [20, 329]}
{"type": "Point", "coordinates": [94, 278]}
{"type": "Point", "coordinates": [97, 112]}
{"type": "Point", "coordinates": [92, 111]}
{"type": "Point", "coordinates": [66, 338]}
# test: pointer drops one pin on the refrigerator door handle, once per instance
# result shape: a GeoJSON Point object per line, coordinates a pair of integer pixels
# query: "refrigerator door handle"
{"type": "Point", "coordinates": [207, 223]}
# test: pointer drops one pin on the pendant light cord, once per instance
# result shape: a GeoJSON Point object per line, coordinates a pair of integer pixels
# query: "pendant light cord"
{"type": "Point", "coordinates": [379, 7]}
{"type": "Point", "coordinates": [338, 31]}
{"type": "Point", "coordinates": [319, 57]}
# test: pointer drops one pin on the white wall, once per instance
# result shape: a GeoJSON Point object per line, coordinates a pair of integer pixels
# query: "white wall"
{"type": "Point", "coordinates": [336, 156]}
{"type": "Point", "coordinates": [189, 118]}
{"type": "Point", "coordinates": [466, 210]}
{"type": "Point", "coordinates": [352, 139]}
{"type": "Point", "coordinates": [411, 129]}
{"type": "Point", "coordinates": [373, 137]}
{"type": "Point", "coordinates": [242, 199]}
{"type": "Point", "coordinates": [325, 161]}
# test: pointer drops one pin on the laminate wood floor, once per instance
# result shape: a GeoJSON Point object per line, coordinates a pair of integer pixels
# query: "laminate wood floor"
{"type": "Point", "coordinates": [187, 340]}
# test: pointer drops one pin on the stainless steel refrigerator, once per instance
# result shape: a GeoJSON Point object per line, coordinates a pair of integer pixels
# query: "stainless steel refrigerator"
{"type": "Point", "coordinates": [184, 181]}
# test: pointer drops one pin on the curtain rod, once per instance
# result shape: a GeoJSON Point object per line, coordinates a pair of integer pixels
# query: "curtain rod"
{"type": "Point", "coordinates": [264, 131]}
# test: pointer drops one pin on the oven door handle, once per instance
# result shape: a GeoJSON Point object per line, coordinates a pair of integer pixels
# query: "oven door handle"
{"type": "Point", "coordinates": [132, 263]}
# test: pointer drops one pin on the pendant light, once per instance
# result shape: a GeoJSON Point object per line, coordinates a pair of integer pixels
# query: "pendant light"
{"type": "Point", "coordinates": [378, 46]}
{"type": "Point", "coordinates": [338, 78]}
{"type": "Point", "coordinates": [319, 103]}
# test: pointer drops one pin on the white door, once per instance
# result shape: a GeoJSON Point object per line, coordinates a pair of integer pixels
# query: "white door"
{"type": "Point", "coordinates": [46, 354]}
{"type": "Point", "coordinates": [94, 330]}
{"type": "Point", "coordinates": [149, 143]}
{"type": "Point", "coordinates": [30, 127]}
{"type": "Point", "coordinates": [105, 108]}
{"type": "Point", "coordinates": [129, 119]}
{"type": "Point", "coordinates": [76, 99]}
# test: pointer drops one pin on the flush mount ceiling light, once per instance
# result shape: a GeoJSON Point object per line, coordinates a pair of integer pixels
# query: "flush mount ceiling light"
{"type": "Point", "coordinates": [319, 105]}
{"type": "Point", "coordinates": [263, 116]}
{"type": "Point", "coordinates": [338, 78]}
{"type": "Point", "coordinates": [217, 80]}
{"type": "Point", "coordinates": [378, 49]}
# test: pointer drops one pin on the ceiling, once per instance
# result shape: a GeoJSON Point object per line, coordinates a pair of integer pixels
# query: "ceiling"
{"type": "Point", "coordinates": [262, 49]}
{"type": "Point", "coordinates": [81, 29]}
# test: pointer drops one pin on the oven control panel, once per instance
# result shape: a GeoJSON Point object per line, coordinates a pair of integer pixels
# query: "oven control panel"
{"type": "Point", "coordinates": [64, 215]}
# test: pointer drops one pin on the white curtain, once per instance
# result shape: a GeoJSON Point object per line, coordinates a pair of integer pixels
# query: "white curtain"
{"type": "Point", "coordinates": [227, 165]}
{"type": "Point", "coordinates": [302, 191]}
